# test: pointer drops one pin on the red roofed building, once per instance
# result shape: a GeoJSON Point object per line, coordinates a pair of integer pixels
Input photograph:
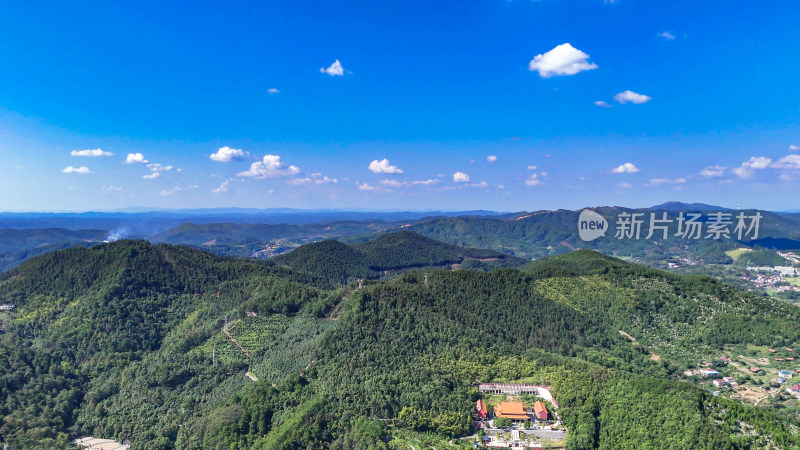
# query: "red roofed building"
{"type": "Point", "coordinates": [511, 410]}
{"type": "Point", "coordinates": [540, 410]}
{"type": "Point", "coordinates": [481, 407]}
{"type": "Point", "coordinates": [755, 369]}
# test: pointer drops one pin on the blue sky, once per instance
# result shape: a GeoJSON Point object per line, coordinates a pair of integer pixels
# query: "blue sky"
{"type": "Point", "coordinates": [482, 104]}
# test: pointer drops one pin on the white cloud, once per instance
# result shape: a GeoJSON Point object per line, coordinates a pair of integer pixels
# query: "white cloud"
{"type": "Point", "coordinates": [93, 153]}
{"type": "Point", "coordinates": [299, 181]}
{"type": "Point", "coordinates": [223, 187]}
{"type": "Point", "coordinates": [383, 166]}
{"type": "Point", "coordinates": [787, 162]}
{"type": "Point", "coordinates": [460, 177]}
{"type": "Point", "coordinates": [533, 180]}
{"type": "Point", "coordinates": [335, 69]}
{"type": "Point", "coordinates": [754, 163]}
{"type": "Point", "coordinates": [156, 167]}
{"type": "Point", "coordinates": [562, 60]}
{"type": "Point", "coordinates": [713, 171]}
{"type": "Point", "coordinates": [79, 170]}
{"type": "Point", "coordinates": [794, 148]}
{"type": "Point", "coordinates": [273, 91]}
{"type": "Point", "coordinates": [531, 167]}
{"type": "Point", "coordinates": [227, 154]}
{"type": "Point", "coordinates": [491, 158]}
{"type": "Point", "coordinates": [603, 104]}
{"type": "Point", "coordinates": [658, 181]}
{"type": "Point", "coordinates": [152, 176]}
{"type": "Point", "coordinates": [172, 191]}
{"type": "Point", "coordinates": [270, 167]}
{"type": "Point", "coordinates": [325, 180]}
{"type": "Point", "coordinates": [366, 187]}
{"type": "Point", "coordinates": [478, 184]}
{"type": "Point", "coordinates": [630, 96]}
{"type": "Point", "coordinates": [111, 188]}
{"type": "Point", "coordinates": [625, 185]}
{"type": "Point", "coordinates": [625, 168]}
{"type": "Point", "coordinates": [135, 158]}
{"type": "Point", "coordinates": [667, 35]}
{"type": "Point", "coordinates": [399, 184]}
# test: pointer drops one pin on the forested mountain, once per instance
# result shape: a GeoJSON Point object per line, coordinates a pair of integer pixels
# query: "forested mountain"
{"type": "Point", "coordinates": [18, 245]}
{"type": "Point", "coordinates": [388, 254]}
{"type": "Point", "coordinates": [152, 343]}
{"type": "Point", "coordinates": [544, 233]}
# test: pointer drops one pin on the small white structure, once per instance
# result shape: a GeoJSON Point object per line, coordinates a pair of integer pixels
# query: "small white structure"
{"type": "Point", "coordinates": [99, 444]}
{"type": "Point", "coordinates": [6, 307]}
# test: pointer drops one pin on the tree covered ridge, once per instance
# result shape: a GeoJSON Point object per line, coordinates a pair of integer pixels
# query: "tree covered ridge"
{"type": "Point", "coordinates": [389, 253]}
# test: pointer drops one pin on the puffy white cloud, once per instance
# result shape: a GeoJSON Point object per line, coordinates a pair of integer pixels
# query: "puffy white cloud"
{"type": "Point", "coordinates": [270, 166]}
{"type": "Point", "coordinates": [531, 167]}
{"type": "Point", "coordinates": [223, 187]}
{"type": "Point", "coordinates": [135, 158]}
{"type": "Point", "coordinates": [491, 158]}
{"type": "Point", "coordinates": [533, 180]}
{"type": "Point", "coordinates": [562, 60]}
{"type": "Point", "coordinates": [334, 69]}
{"type": "Point", "coordinates": [658, 181]}
{"type": "Point", "coordinates": [273, 91]}
{"type": "Point", "coordinates": [794, 148]}
{"type": "Point", "coordinates": [625, 185]}
{"type": "Point", "coordinates": [227, 154]}
{"type": "Point", "coordinates": [625, 168]}
{"type": "Point", "coordinates": [788, 162]}
{"type": "Point", "coordinates": [603, 104]}
{"type": "Point", "coordinates": [752, 164]}
{"type": "Point", "coordinates": [111, 188]}
{"type": "Point", "coordinates": [79, 170]}
{"type": "Point", "coordinates": [93, 153]}
{"type": "Point", "coordinates": [383, 166]}
{"type": "Point", "coordinates": [632, 97]}
{"type": "Point", "coordinates": [713, 171]}
{"type": "Point", "coordinates": [460, 177]}
{"type": "Point", "coordinates": [152, 176]}
{"type": "Point", "coordinates": [667, 35]}
{"type": "Point", "coordinates": [366, 187]}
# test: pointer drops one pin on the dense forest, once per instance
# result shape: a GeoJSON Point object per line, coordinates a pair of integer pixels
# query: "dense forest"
{"type": "Point", "coordinates": [174, 348]}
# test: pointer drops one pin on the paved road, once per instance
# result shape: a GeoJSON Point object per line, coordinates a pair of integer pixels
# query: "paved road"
{"type": "Point", "coordinates": [547, 434]}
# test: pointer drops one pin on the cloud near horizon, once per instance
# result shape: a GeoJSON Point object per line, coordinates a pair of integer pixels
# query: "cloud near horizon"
{"type": "Point", "coordinates": [270, 166]}
{"type": "Point", "coordinates": [383, 166]}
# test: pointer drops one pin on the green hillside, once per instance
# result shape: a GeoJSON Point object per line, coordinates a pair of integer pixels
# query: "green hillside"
{"type": "Point", "coordinates": [387, 254]}
{"type": "Point", "coordinates": [153, 343]}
